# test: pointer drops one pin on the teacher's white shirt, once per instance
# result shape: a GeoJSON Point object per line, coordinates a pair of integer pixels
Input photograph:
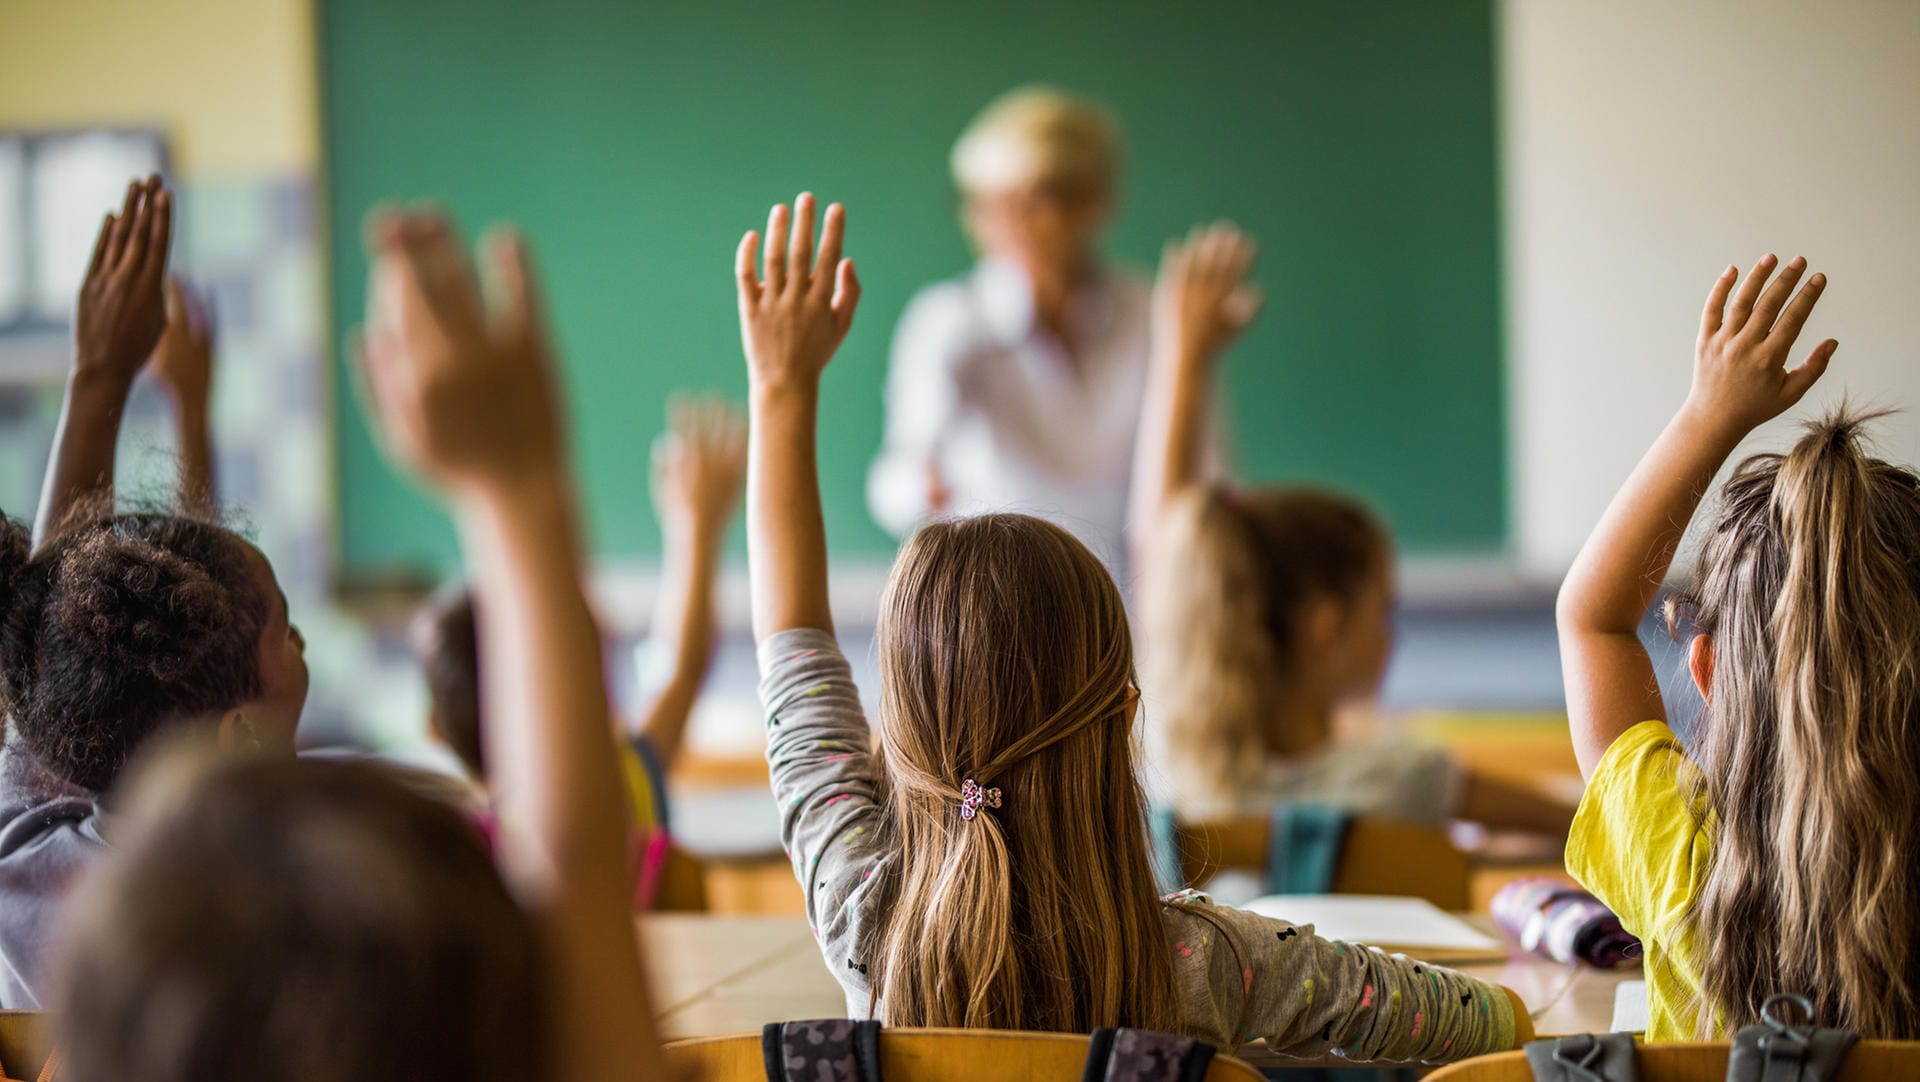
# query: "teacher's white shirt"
{"type": "Point", "coordinates": [1014, 421]}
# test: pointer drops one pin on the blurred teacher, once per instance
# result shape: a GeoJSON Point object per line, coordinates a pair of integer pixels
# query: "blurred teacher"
{"type": "Point", "coordinates": [1018, 386]}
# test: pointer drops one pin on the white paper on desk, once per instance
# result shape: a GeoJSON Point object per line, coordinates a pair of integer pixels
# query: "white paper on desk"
{"type": "Point", "coordinates": [1630, 1007]}
{"type": "Point", "coordinates": [1404, 924]}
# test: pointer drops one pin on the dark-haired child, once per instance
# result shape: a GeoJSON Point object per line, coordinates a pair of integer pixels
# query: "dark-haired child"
{"type": "Point", "coordinates": [314, 922]}
{"type": "Point", "coordinates": [699, 465]}
{"type": "Point", "coordinates": [115, 627]}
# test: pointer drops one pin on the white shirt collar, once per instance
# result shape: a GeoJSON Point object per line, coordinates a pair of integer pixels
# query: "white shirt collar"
{"type": "Point", "coordinates": [1005, 296]}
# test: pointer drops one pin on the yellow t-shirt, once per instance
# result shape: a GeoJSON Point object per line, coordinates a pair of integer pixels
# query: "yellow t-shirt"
{"type": "Point", "coordinates": [1641, 846]}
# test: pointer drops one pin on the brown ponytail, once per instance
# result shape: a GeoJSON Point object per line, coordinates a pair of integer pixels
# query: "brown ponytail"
{"type": "Point", "coordinates": [1005, 658]}
{"type": "Point", "coordinates": [1809, 585]}
{"type": "Point", "coordinates": [1221, 609]}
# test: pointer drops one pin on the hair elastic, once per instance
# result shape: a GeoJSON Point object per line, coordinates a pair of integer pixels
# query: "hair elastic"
{"type": "Point", "coordinates": [972, 796]}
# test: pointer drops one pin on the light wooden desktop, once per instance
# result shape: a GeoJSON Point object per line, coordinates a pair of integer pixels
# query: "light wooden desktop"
{"type": "Point", "coordinates": [732, 974]}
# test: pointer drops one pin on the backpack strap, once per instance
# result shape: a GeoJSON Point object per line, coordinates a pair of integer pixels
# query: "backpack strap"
{"type": "Point", "coordinates": [806, 1051]}
{"type": "Point", "coordinates": [1303, 847]}
{"type": "Point", "coordinates": [1141, 1055]}
{"type": "Point", "coordinates": [1776, 1051]}
{"type": "Point", "coordinates": [1585, 1057]}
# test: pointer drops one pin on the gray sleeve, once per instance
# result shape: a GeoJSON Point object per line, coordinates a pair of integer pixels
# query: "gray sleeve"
{"type": "Point", "coordinates": [1244, 977]}
{"type": "Point", "coordinates": [822, 767]}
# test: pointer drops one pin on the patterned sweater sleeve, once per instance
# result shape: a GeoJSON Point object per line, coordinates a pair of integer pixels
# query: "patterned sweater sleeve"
{"type": "Point", "coordinates": [1244, 977]}
{"type": "Point", "coordinates": [821, 761]}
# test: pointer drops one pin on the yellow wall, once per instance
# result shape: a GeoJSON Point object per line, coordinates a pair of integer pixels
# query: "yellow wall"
{"type": "Point", "coordinates": [231, 82]}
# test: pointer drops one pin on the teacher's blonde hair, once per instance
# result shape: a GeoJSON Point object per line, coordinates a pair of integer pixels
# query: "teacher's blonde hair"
{"type": "Point", "coordinates": [1039, 134]}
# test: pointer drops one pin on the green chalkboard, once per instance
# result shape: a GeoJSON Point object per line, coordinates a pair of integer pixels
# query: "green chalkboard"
{"type": "Point", "coordinates": [635, 141]}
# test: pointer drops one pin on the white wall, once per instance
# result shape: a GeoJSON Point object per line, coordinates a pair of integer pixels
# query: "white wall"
{"type": "Point", "coordinates": [1646, 145]}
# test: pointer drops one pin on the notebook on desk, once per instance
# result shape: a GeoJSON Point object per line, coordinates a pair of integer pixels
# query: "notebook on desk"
{"type": "Point", "coordinates": [1411, 926]}
{"type": "Point", "coordinates": [1630, 1007]}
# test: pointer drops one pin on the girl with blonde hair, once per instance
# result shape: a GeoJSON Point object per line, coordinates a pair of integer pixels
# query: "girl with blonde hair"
{"type": "Point", "coordinates": [983, 863]}
{"type": "Point", "coordinates": [1267, 610]}
{"type": "Point", "coordinates": [1776, 854]}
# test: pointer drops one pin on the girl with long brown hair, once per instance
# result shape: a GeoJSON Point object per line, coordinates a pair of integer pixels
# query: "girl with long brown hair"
{"type": "Point", "coordinates": [1267, 610]}
{"type": "Point", "coordinates": [1778, 856]}
{"type": "Point", "coordinates": [983, 863]}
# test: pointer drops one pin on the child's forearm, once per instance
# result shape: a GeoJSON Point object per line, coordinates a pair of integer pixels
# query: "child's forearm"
{"type": "Point", "coordinates": [685, 619]}
{"type": "Point", "coordinates": [786, 534]}
{"type": "Point", "coordinates": [563, 835]}
{"type": "Point", "coordinates": [195, 434]}
{"type": "Point", "coordinates": [83, 446]}
{"type": "Point", "coordinates": [1616, 576]}
{"type": "Point", "coordinates": [1171, 427]}
{"type": "Point", "coordinates": [1619, 570]}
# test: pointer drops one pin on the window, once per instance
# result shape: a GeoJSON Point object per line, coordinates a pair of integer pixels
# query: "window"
{"type": "Point", "coordinates": [55, 188]}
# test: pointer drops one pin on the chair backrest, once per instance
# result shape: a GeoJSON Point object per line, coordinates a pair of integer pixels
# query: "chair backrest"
{"type": "Point", "coordinates": [1870, 1061]}
{"type": "Point", "coordinates": [1378, 856]}
{"type": "Point", "coordinates": [24, 1043]}
{"type": "Point", "coordinates": [930, 1055]}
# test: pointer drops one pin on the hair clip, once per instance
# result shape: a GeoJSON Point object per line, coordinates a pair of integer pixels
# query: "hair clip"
{"type": "Point", "coordinates": [972, 796]}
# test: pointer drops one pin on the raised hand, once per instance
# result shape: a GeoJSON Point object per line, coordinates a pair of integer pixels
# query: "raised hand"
{"type": "Point", "coordinates": [121, 309]}
{"type": "Point", "coordinates": [1740, 378]}
{"type": "Point", "coordinates": [1202, 300]}
{"type": "Point", "coordinates": [796, 312]}
{"type": "Point", "coordinates": [183, 359]}
{"type": "Point", "coordinates": [461, 389]}
{"type": "Point", "coordinates": [699, 465]}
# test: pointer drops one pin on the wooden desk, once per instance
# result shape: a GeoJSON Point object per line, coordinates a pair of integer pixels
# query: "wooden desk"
{"type": "Point", "coordinates": [715, 975]}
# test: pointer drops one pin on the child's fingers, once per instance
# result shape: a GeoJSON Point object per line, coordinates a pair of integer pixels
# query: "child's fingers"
{"type": "Point", "coordinates": [846, 294]}
{"type": "Point", "coordinates": [775, 273]}
{"type": "Point", "coordinates": [1801, 380]}
{"type": "Point", "coordinates": [832, 237]}
{"type": "Point", "coordinates": [512, 260]}
{"type": "Point", "coordinates": [744, 258]}
{"type": "Point", "coordinates": [122, 226]}
{"type": "Point", "coordinates": [378, 371]}
{"type": "Point", "coordinates": [1787, 327]}
{"type": "Point", "coordinates": [133, 243]}
{"type": "Point", "coordinates": [1243, 304]}
{"type": "Point", "coordinates": [160, 234]}
{"type": "Point", "coordinates": [101, 242]}
{"type": "Point", "coordinates": [1715, 311]}
{"type": "Point", "coordinates": [1749, 291]}
{"type": "Point", "coordinates": [800, 263]}
{"type": "Point", "coordinates": [1775, 297]}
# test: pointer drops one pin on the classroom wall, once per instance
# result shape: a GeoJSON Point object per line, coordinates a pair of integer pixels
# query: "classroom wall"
{"type": "Point", "coordinates": [231, 81]}
{"type": "Point", "coordinates": [1645, 145]}
{"type": "Point", "coordinates": [634, 143]}
{"type": "Point", "coordinates": [232, 86]}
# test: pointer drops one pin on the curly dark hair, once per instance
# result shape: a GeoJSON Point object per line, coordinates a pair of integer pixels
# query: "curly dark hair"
{"type": "Point", "coordinates": [119, 625]}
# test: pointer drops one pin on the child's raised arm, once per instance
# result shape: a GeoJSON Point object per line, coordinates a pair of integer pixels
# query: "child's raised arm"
{"type": "Point", "coordinates": [1740, 381]}
{"type": "Point", "coordinates": [1202, 301]}
{"type": "Point", "coordinates": [116, 322]}
{"type": "Point", "coordinates": [463, 395]}
{"type": "Point", "coordinates": [698, 466]}
{"type": "Point", "coordinates": [183, 363]}
{"type": "Point", "coordinates": [793, 315]}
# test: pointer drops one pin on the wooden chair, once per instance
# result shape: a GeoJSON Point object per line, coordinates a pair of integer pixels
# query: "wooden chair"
{"type": "Point", "coordinates": [24, 1044]}
{"type": "Point", "coordinates": [1870, 1061]}
{"type": "Point", "coordinates": [929, 1055]}
{"type": "Point", "coordinates": [1378, 856]}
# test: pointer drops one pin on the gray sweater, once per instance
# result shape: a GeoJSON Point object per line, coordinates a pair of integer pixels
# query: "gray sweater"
{"type": "Point", "coordinates": [49, 833]}
{"type": "Point", "coordinates": [1240, 977]}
